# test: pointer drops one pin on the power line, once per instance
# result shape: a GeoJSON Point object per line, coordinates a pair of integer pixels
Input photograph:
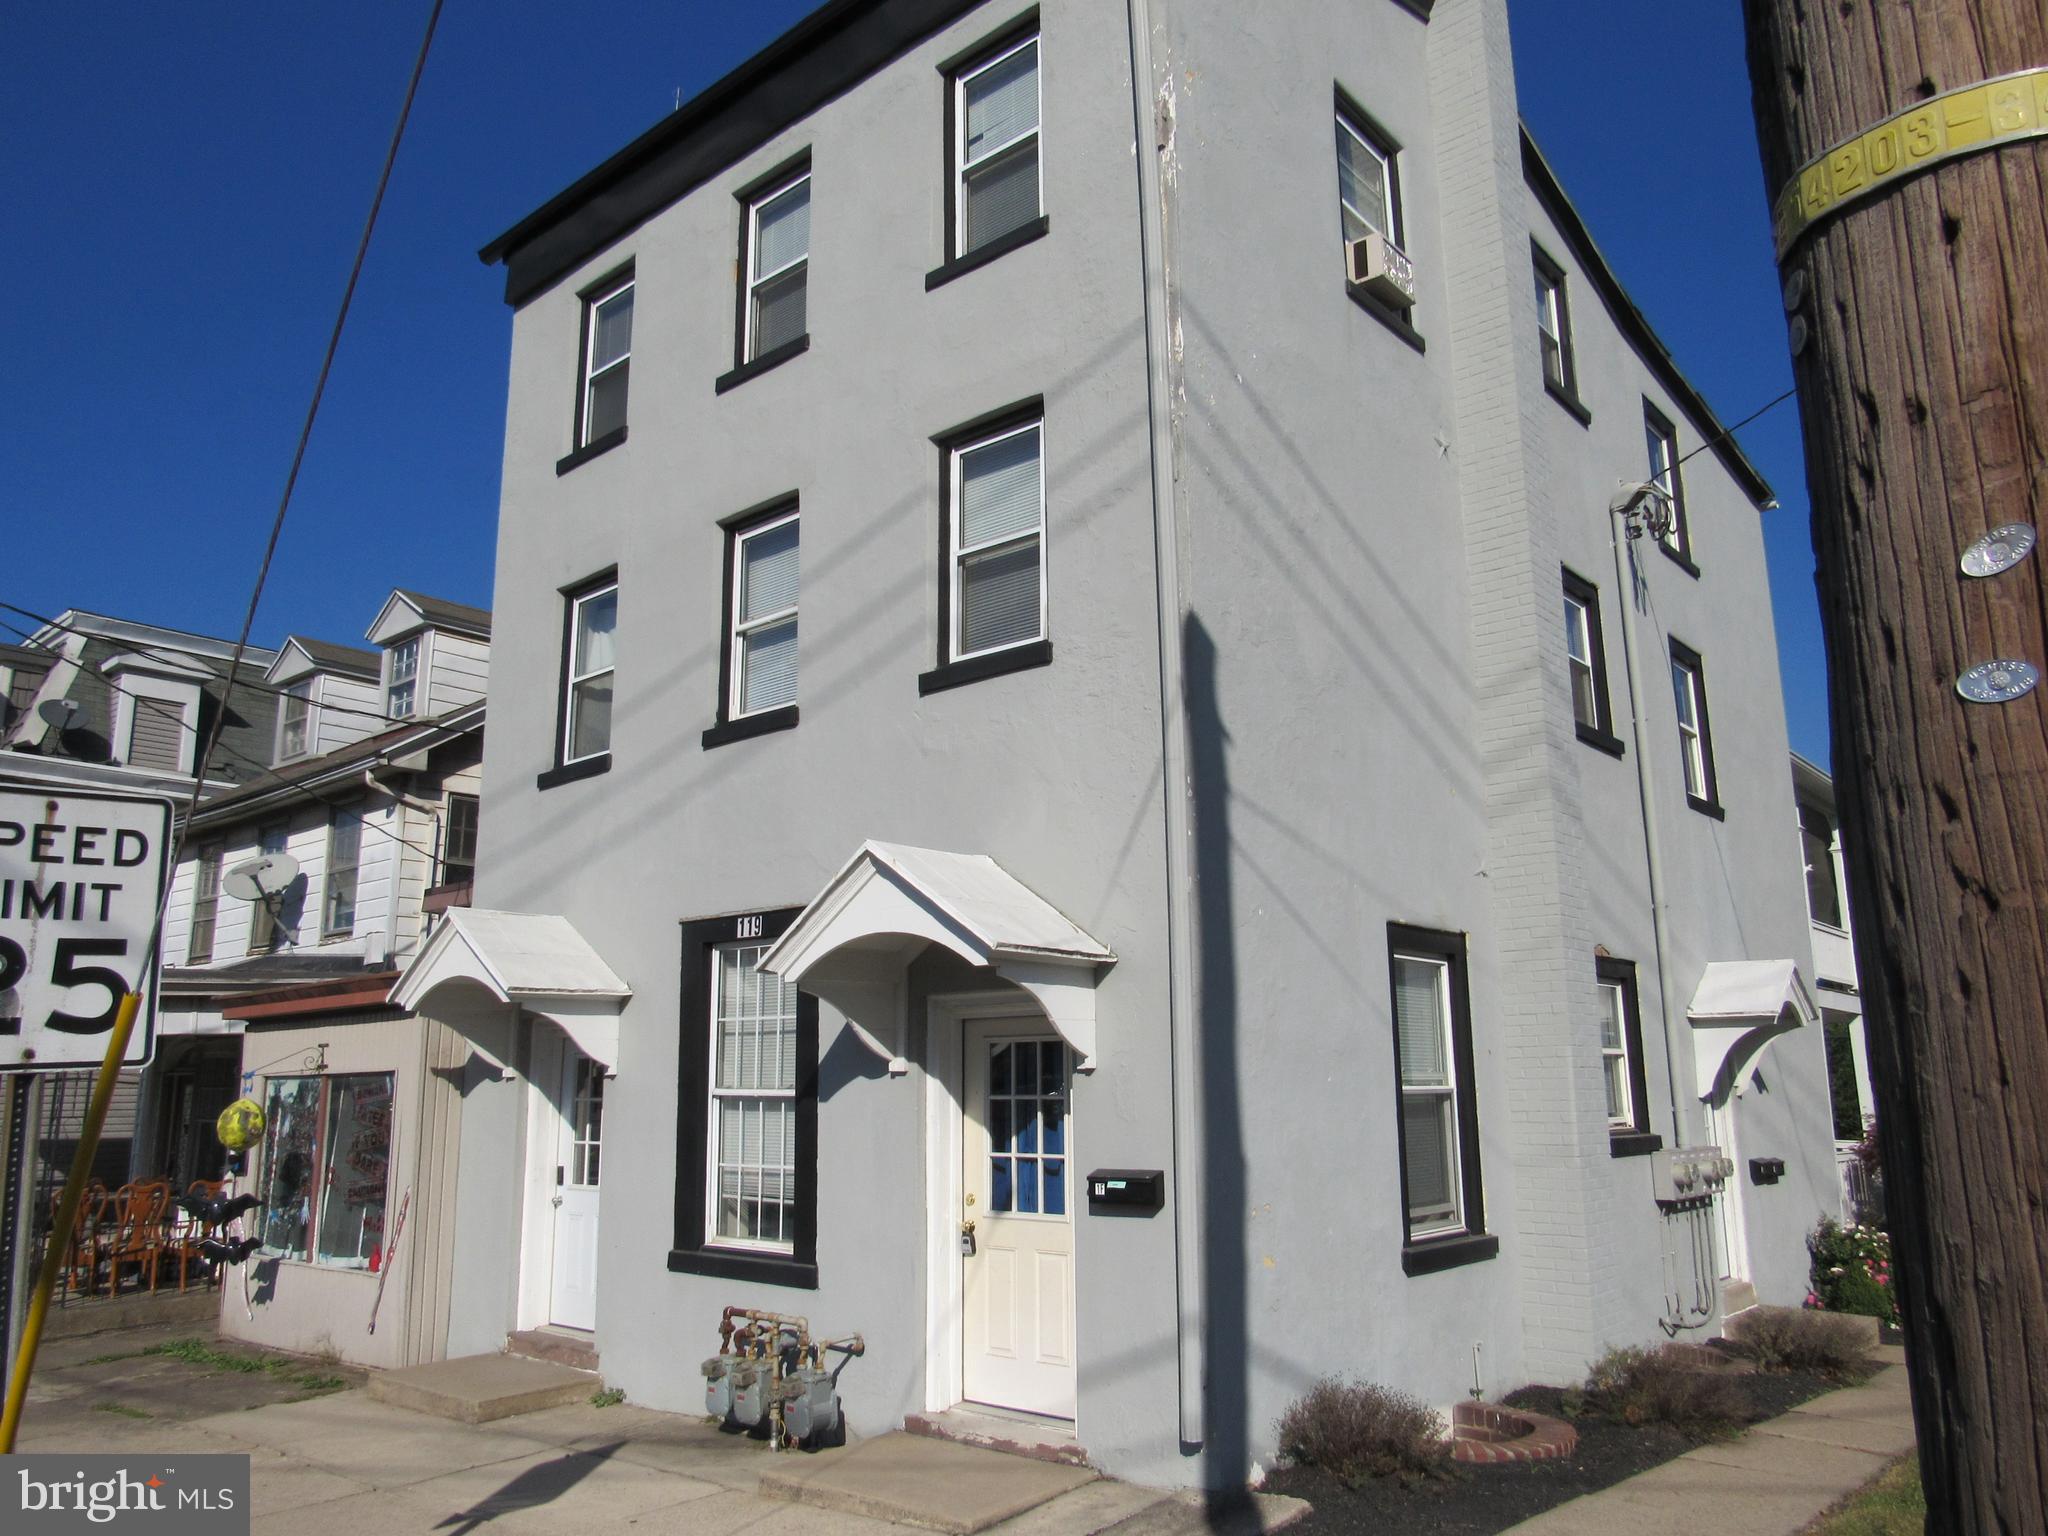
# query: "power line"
{"type": "Point", "coordinates": [1731, 431]}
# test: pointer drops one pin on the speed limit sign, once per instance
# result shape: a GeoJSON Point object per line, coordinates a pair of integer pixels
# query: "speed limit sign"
{"type": "Point", "coordinates": [81, 877]}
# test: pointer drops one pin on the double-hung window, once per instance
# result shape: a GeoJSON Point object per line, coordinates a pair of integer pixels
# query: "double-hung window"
{"type": "Point", "coordinates": [591, 661]}
{"type": "Point", "coordinates": [1368, 194]}
{"type": "Point", "coordinates": [458, 846]}
{"type": "Point", "coordinates": [205, 904]}
{"type": "Point", "coordinates": [1441, 1191]}
{"type": "Point", "coordinates": [1554, 333]}
{"type": "Point", "coordinates": [274, 916]}
{"type": "Point", "coordinates": [1622, 1076]}
{"type": "Point", "coordinates": [1586, 659]}
{"type": "Point", "coordinates": [746, 1120]}
{"type": "Point", "coordinates": [998, 542]}
{"type": "Point", "coordinates": [294, 720]}
{"type": "Point", "coordinates": [344, 857]}
{"type": "Point", "coordinates": [762, 642]}
{"type": "Point", "coordinates": [1823, 891]}
{"type": "Point", "coordinates": [1695, 737]}
{"type": "Point", "coordinates": [401, 687]}
{"type": "Point", "coordinates": [607, 361]}
{"type": "Point", "coordinates": [778, 259]}
{"type": "Point", "coordinates": [997, 185]}
{"type": "Point", "coordinates": [1661, 441]}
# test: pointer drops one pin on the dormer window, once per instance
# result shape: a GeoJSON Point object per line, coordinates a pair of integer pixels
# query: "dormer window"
{"type": "Point", "coordinates": [294, 720]}
{"type": "Point", "coordinates": [403, 678]}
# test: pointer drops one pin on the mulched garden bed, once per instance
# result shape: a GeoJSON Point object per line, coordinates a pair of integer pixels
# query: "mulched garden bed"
{"type": "Point", "coordinates": [1478, 1501]}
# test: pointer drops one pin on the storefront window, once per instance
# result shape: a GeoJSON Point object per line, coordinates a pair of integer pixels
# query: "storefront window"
{"type": "Point", "coordinates": [327, 1167]}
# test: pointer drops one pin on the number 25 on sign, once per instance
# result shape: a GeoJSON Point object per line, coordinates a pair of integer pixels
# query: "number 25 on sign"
{"type": "Point", "coordinates": [81, 878]}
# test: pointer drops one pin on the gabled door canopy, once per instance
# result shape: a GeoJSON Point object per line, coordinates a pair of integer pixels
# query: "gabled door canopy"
{"type": "Point", "coordinates": [536, 961]}
{"type": "Point", "coordinates": [1740, 1007]}
{"type": "Point", "coordinates": [850, 946]}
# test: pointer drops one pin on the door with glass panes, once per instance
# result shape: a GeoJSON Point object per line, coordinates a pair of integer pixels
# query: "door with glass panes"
{"type": "Point", "coordinates": [572, 1296]}
{"type": "Point", "coordinates": [1017, 1343]}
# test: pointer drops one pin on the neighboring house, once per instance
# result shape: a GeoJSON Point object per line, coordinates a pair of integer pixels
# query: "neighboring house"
{"type": "Point", "coordinates": [282, 996]}
{"type": "Point", "coordinates": [1834, 979]}
{"type": "Point", "coordinates": [106, 704]}
{"type": "Point", "coordinates": [1083, 794]}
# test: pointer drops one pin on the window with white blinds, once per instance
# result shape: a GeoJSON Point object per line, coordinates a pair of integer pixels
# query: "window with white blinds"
{"type": "Point", "coordinates": [996, 111]}
{"type": "Point", "coordinates": [998, 537]}
{"type": "Point", "coordinates": [778, 267]}
{"type": "Point", "coordinates": [752, 1163]}
{"type": "Point", "coordinates": [762, 644]}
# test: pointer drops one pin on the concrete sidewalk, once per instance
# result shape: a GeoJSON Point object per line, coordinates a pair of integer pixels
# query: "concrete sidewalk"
{"type": "Point", "coordinates": [340, 1463]}
{"type": "Point", "coordinates": [1770, 1482]}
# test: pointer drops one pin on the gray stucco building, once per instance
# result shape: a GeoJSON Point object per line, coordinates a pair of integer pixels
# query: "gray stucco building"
{"type": "Point", "coordinates": [1058, 610]}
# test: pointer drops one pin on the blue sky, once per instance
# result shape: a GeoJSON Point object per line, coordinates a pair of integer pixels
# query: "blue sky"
{"type": "Point", "coordinates": [187, 184]}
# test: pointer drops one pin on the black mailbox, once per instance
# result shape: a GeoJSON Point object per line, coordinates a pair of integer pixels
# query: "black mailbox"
{"type": "Point", "coordinates": [1126, 1191]}
{"type": "Point", "coordinates": [1766, 1170]}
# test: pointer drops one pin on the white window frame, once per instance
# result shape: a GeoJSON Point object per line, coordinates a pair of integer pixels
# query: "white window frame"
{"type": "Point", "coordinates": [1616, 999]}
{"type": "Point", "coordinates": [1578, 627]}
{"type": "Point", "coordinates": [410, 653]}
{"type": "Point", "coordinates": [756, 283]}
{"type": "Point", "coordinates": [301, 694]}
{"type": "Point", "coordinates": [716, 1096]}
{"type": "Point", "coordinates": [331, 880]}
{"type": "Point", "coordinates": [1685, 678]}
{"type": "Point", "coordinates": [1390, 205]}
{"type": "Point", "coordinates": [1448, 1093]}
{"type": "Point", "coordinates": [961, 552]}
{"type": "Point", "coordinates": [571, 677]}
{"type": "Point", "coordinates": [964, 167]}
{"type": "Point", "coordinates": [1553, 325]}
{"type": "Point", "coordinates": [736, 636]}
{"type": "Point", "coordinates": [1661, 440]}
{"type": "Point", "coordinates": [206, 869]}
{"type": "Point", "coordinates": [591, 373]}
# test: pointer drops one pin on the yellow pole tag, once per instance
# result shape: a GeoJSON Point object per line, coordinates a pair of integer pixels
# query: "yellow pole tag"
{"type": "Point", "coordinates": [1958, 122]}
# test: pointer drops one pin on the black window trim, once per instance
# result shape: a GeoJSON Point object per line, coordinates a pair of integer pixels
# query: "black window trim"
{"type": "Point", "coordinates": [1599, 735]}
{"type": "Point", "coordinates": [1679, 554]}
{"type": "Point", "coordinates": [1565, 392]}
{"type": "Point", "coordinates": [762, 722]}
{"type": "Point", "coordinates": [947, 672]}
{"type": "Point", "coordinates": [693, 1252]}
{"type": "Point", "coordinates": [756, 190]}
{"type": "Point", "coordinates": [565, 772]}
{"type": "Point", "coordinates": [1399, 320]}
{"type": "Point", "coordinates": [1710, 804]}
{"type": "Point", "coordinates": [1472, 1243]}
{"type": "Point", "coordinates": [1008, 35]}
{"type": "Point", "coordinates": [1638, 1140]}
{"type": "Point", "coordinates": [581, 452]}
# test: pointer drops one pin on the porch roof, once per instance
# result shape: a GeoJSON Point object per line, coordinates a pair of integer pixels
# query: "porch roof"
{"type": "Point", "coordinates": [1739, 1007]}
{"type": "Point", "coordinates": [536, 961]}
{"type": "Point", "coordinates": [850, 945]}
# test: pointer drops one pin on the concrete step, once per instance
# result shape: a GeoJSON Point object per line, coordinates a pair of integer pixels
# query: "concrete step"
{"type": "Point", "coordinates": [915, 1480]}
{"type": "Point", "coordinates": [562, 1346]}
{"type": "Point", "coordinates": [1012, 1434]}
{"type": "Point", "coordinates": [479, 1388]}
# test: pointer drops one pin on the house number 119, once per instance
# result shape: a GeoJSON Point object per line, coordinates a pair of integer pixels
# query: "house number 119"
{"type": "Point", "coordinates": [749, 927]}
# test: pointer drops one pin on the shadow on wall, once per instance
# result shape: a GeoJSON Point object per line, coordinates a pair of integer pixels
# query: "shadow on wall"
{"type": "Point", "coordinates": [1226, 1454]}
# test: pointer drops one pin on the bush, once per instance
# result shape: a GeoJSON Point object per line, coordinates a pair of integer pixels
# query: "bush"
{"type": "Point", "coordinates": [1789, 1339]}
{"type": "Point", "coordinates": [1664, 1386]}
{"type": "Point", "coordinates": [1357, 1430]}
{"type": "Point", "coordinates": [1852, 1272]}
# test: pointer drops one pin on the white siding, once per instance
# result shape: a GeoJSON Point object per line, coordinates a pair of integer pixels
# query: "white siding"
{"type": "Point", "coordinates": [457, 668]}
{"type": "Point", "coordinates": [336, 727]}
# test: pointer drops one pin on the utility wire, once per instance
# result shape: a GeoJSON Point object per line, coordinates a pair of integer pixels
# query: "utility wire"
{"type": "Point", "coordinates": [1731, 431]}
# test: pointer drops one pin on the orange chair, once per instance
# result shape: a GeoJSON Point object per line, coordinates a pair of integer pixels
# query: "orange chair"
{"type": "Point", "coordinates": [83, 1254]}
{"type": "Point", "coordinates": [137, 1235]}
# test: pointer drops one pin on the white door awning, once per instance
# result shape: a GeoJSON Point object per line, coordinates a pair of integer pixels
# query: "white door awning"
{"type": "Point", "coordinates": [535, 961]}
{"type": "Point", "coordinates": [851, 944]}
{"type": "Point", "coordinates": [1739, 1007]}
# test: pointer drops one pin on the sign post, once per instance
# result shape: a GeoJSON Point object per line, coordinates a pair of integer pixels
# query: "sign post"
{"type": "Point", "coordinates": [82, 881]}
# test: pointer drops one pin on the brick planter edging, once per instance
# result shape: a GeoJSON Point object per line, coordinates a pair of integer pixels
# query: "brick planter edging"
{"type": "Point", "coordinates": [1485, 1434]}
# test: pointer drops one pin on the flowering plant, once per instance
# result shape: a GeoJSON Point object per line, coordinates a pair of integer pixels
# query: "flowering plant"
{"type": "Point", "coordinates": [1852, 1271]}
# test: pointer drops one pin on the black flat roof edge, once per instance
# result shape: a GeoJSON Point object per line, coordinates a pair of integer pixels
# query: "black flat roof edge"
{"type": "Point", "coordinates": [1550, 192]}
{"type": "Point", "coordinates": [822, 57]}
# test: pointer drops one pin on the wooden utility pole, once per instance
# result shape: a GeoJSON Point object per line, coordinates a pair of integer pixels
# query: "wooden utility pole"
{"type": "Point", "coordinates": [1915, 267]}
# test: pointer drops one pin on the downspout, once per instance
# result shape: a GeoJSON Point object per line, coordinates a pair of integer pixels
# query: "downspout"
{"type": "Point", "coordinates": [1623, 516]}
{"type": "Point", "coordinates": [403, 803]}
{"type": "Point", "coordinates": [1152, 141]}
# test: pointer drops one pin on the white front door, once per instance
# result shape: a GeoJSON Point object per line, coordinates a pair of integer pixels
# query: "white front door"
{"type": "Point", "coordinates": [1017, 1286]}
{"type": "Point", "coordinates": [572, 1295]}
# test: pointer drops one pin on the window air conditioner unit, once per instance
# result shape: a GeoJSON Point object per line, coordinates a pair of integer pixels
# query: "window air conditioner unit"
{"type": "Point", "coordinates": [1382, 269]}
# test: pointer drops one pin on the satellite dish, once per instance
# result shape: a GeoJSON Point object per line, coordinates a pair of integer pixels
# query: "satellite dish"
{"type": "Point", "coordinates": [57, 712]}
{"type": "Point", "coordinates": [264, 875]}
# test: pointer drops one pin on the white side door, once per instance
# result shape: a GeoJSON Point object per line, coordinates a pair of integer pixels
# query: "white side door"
{"type": "Point", "coordinates": [572, 1296]}
{"type": "Point", "coordinates": [1017, 1182]}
